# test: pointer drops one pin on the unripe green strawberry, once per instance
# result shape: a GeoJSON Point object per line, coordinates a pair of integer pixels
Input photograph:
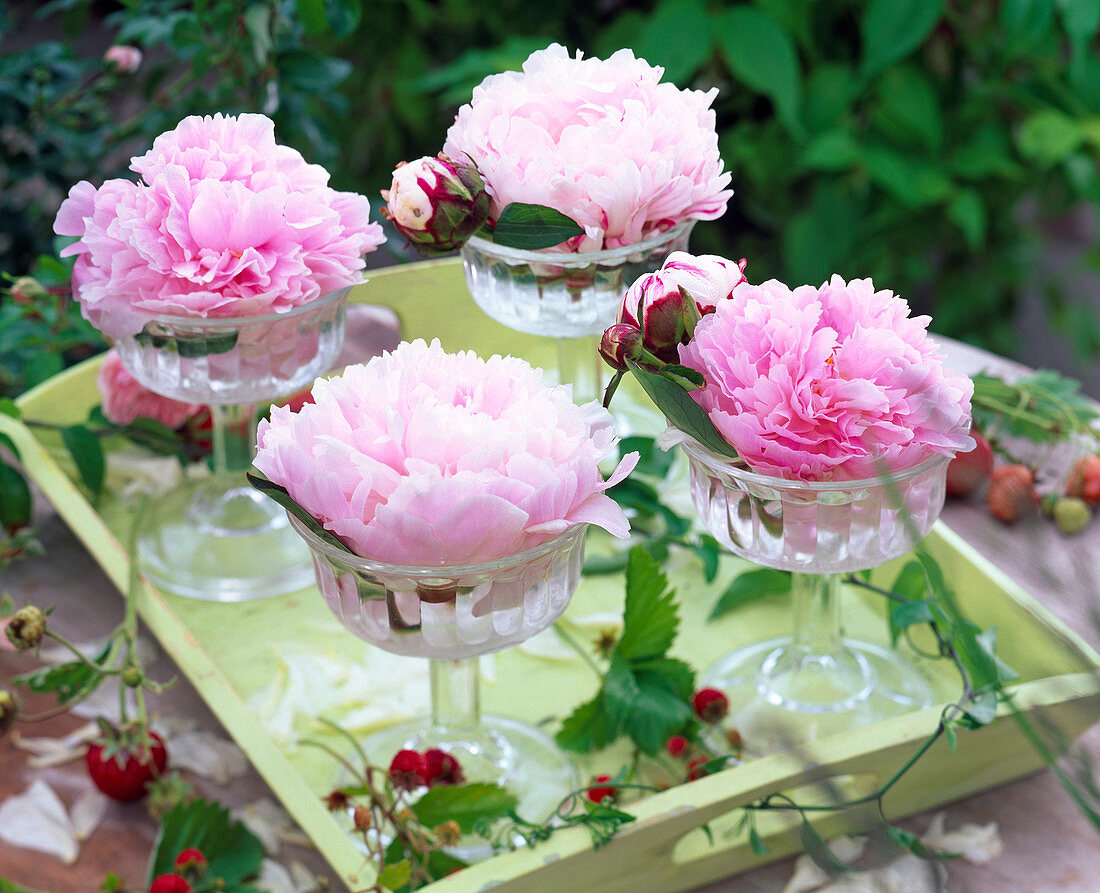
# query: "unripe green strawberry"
{"type": "Point", "coordinates": [1072, 514]}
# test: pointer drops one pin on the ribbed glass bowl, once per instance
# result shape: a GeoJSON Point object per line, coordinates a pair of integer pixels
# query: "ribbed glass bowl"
{"type": "Point", "coordinates": [237, 360]}
{"type": "Point", "coordinates": [561, 294]}
{"type": "Point", "coordinates": [449, 612]}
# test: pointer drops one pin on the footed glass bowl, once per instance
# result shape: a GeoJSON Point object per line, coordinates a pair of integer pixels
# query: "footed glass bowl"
{"type": "Point", "coordinates": [216, 538]}
{"type": "Point", "coordinates": [789, 689]}
{"type": "Point", "coordinates": [451, 615]}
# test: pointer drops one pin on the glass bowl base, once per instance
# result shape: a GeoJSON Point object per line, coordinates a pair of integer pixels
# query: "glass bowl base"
{"type": "Point", "coordinates": [783, 695]}
{"type": "Point", "coordinates": [217, 539]}
{"type": "Point", "coordinates": [501, 751]}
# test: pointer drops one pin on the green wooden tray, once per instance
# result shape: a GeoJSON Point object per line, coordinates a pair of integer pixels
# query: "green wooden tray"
{"type": "Point", "coordinates": [229, 652]}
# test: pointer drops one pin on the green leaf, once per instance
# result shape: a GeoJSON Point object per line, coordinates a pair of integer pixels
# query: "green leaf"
{"type": "Point", "coordinates": [1080, 18]}
{"type": "Point", "coordinates": [756, 842]}
{"type": "Point", "coordinates": [908, 107]}
{"type": "Point", "coordinates": [762, 56]}
{"type": "Point", "coordinates": [8, 408]}
{"type": "Point", "coordinates": [967, 211]}
{"type": "Point", "coordinates": [650, 616]}
{"type": "Point", "coordinates": [1024, 23]}
{"type": "Point", "coordinates": [16, 502]}
{"type": "Point", "coordinates": [816, 848]}
{"type": "Point", "coordinates": [952, 737]}
{"type": "Point", "coordinates": [87, 454]}
{"type": "Point", "coordinates": [749, 587]}
{"type": "Point", "coordinates": [652, 461]}
{"type": "Point", "coordinates": [69, 680]}
{"type": "Point", "coordinates": [191, 346]}
{"type": "Point", "coordinates": [906, 614]}
{"type": "Point", "coordinates": [395, 874]}
{"type": "Point", "coordinates": [589, 727]}
{"type": "Point", "coordinates": [670, 673]}
{"type": "Point", "coordinates": [982, 710]}
{"type": "Point", "coordinates": [7, 886]}
{"type": "Point", "coordinates": [907, 840]}
{"type": "Point", "coordinates": [830, 90]}
{"type": "Point", "coordinates": [681, 411]}
{"type": "Point", "coordinates": [281, 496]}
{"type": "Point", "coordinates": [531, 227]}
{"type": "Point", "coordinates": [620, 690]}
{"type": "Point", "coordinates": [891, 29]}
{"type": "Point", "coordinates": [9, 444]}
{"type": "Point", "coordinates": [912, 181]}
{"type": "Point", "coordinates": [1049, 137]}
{"type": "Point", "coordinates": [41, 367]}
{"type": "Point", "coordinates": [833, 150]}
{"type": "Point", "coordinates": [464, 804]}
{"type": "Point", "coordinates": [676, 37]}
{"type": "Point", "coordinates": [233, 852]}
{"type": "Point", "coordinates": [656, 713]}
{"type": "Point", "coordinates": [311, 13]}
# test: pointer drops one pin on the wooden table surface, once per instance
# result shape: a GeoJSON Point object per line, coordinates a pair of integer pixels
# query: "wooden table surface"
{"type": "Point", "coordinates": [1048, 845]}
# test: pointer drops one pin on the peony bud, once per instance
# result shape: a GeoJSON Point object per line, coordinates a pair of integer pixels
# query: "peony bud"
{"type": "Point", "coordinates": [27, 290]}
{"type": "Point", "coordinates": [708, 278]}
{"type": "Point", "coordinates": [126, 58]}
{"type": "Point", "coordinates": [622, 342]}
{"type": "Point", "coordinates": [663, 310]}
{"type": "Point", "coordinates": [436, 203]}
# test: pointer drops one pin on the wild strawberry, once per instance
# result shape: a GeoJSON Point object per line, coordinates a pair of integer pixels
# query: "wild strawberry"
{"type": "Point", "coordinates": [441, 768]}
{"type": "Point", "coordinates": [26, 627]}
{"type": "Point", "coordinates": [361, 818]}
{"type": "Point", "coordinates": [676, 745]}
{"type": "Point", "coordinates": [1072, 514]}
{"type": "Point", "coordinates": [601, 790]}
{"type": "Point", "coordinates": [407, 770]}
{"type": "Point", "coordinates": [1011, 493]}
{"type": "Point", "coordinates": [968, 472]}
{"type": "Point", "coordinates": [336, 801]}
{"type": "Point", "coordinates": [710, 704]}
{"type": "Point", "coordinates": [1084, 480]}
{"type": "Point", "coordinates": [9, 710]}
{"type": "Point", "coordinates": [169, 883]}
{"type": "Point", "coordinates": [190, 858]}
{"type": "Point", "coordinates": [123, 762]}
{"type": "Point", "coordinates": [697, 768]}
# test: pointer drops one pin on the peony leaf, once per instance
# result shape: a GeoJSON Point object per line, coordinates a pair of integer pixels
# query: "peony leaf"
{"type": "Point", "coordinates": [190, 347]}
{"type": "Point", "coordinates": [464, 804]}
{"type": "Point", "coordinates": [233, 852]}
{"type": "Point", "coordinates": [87, 453]}
{"type": "Point", "coordinates": [750, 586]}
{"type": "Point", "coordinates": [531, 227]}
{"type": "Point", "coordinates": [681, 411]}
{"type": "Point", "coordinates": [281, 496]}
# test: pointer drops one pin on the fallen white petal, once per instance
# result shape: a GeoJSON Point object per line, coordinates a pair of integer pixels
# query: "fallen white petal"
{"type": "Point", "coordinates": [305, 881]}
{"type": "Point", "coordinates": [975, 843]}
{"type": "Point", "coordinates": [208, 756]}
{"type": "Point", "coordinates": [37, 820]}
{"type": "Point", "coordinates": [133, 472]}
{"type": "Point", "coordinates": [267, 820]}
{"type": "Point", "coordinates": [55, 751]}
{"type": "Point", "coordinates": [807, 876]}
{"type": "Point", "coordinates": [88, 812]}
{"type": "Point", "coordinates": [274, 878]}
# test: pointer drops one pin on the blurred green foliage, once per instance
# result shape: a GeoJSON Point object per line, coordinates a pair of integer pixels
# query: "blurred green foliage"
{"type": "Point", "coordinates": [921, 142]}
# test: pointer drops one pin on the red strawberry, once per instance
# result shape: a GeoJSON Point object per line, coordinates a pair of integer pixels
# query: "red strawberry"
{"type": "Point", "coordinates": [441, 768]}
{"type": "Point", "coordinates": [1011, 493]}
{"type": "Point", "coordinates": [169, 883]}
{"type": "Point", "coordinates": [697, 768]}
{"type": "Point", "coordinates": [602, 790]}
{"type": "Point", "coordinates": [710, 704]}
{"type": "Point", "coordinates": [122, 764]}
{"type": "Point", "coordinates": [1084, 480]}
{"type": "Point", "coordinates": [676, 745]}
{"type": "Point", "coordinates": [969, 471]}
{"type": "Point", "coordinates": [407, 770]}
{"type": "Point", "coordinates": [190, 858]}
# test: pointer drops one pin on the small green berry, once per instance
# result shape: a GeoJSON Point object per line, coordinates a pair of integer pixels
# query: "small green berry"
{"type": "Point", "coordinates": [1072, 514]}
{"type": "Point", "coordinates": [27, 627]}
{"type": "Point", "coordinates": [133, 677]}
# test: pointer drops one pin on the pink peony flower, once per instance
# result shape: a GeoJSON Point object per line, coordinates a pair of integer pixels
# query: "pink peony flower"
{"type": "Point", "coordinates": [425, 458]}
{"type": "Point", "coordinates": [667, 303]}
{"type": "Point", "coordinates": [124, 399]}
{"type": "Point", "coordinates": [224, 223]}
{"type": "Point", "coordinates": [829, 383]}
{"type": "Point", "coordinates": [599, 140]}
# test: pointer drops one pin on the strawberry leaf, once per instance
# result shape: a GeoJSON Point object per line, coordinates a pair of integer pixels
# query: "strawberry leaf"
{"type": "Point", "coordinates": [465, 804]}
{"type": "Point", "coordinates": [233, 852]}
{"type": "Point", "coordinates": [589, 727]}
{"type": "Point", "coordinates": [87, 454]}
{"type": "Point", "coordinates": [650, 618]}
